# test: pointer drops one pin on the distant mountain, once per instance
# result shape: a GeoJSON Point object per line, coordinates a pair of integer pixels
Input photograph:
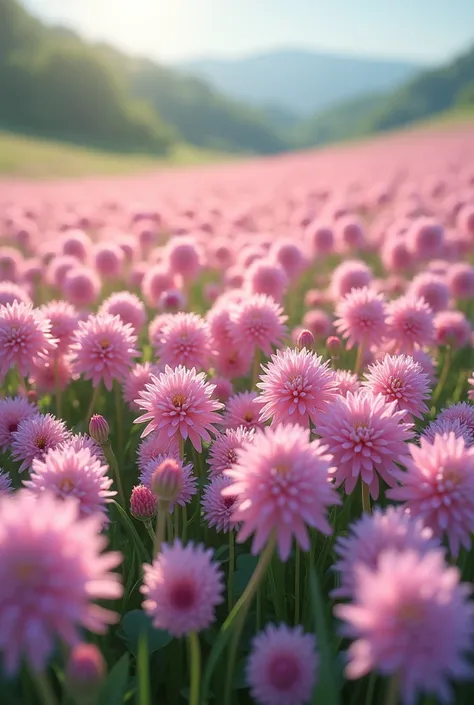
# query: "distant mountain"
{"type": "Point", "coordinates": [300, 81]}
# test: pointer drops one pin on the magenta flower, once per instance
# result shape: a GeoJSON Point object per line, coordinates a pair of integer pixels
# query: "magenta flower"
{"type": "Point", "coordinates": [35, 436]}
{"type": "Point", "coordinates": [361, 317]}
{"type": "Point", "coordinates": [217, 509]}
{"type": "Point", "coordinates": [143, 503]}
{"type": "Point", "coordinates": [259, 324]}
{"type": "Point", "coordinates": [223, 451]}
{"type": "Point", "coordinates": [188, 479]}
{"type": "Point", "coordinates": [184, 340]}
{"type": "Point", "coordinates": [346, 381]}
{"type": "Point", "coordinates": [411, 618]}
{"type": "Point", "coordinates": [392, 528]}
{"type": "Point", "coordinates": [296, 387]}
{"type": "Point", "coordinates": [438, 487]}
{"type": "Point", "coordinates": [182, 588]}
{"type": "Point", "coordinates": [241, 410]}
{"type": "Point", "coordinates": [66, 472]}
{"type": "Point", "coordinates": [51, 570]}
{"type": "Point", "coordinates": [400, 379]}
{"type": "Point", "coordinates": [366, 436]}
{"type": "Point", "coordinates": [410, 323]}
{"type": "Point", "coordinates": [25, 335]}
{"type": "Point", "coordinates": [5, 482]}
{"type": "Point", "coordinates": [129, 308]}
{"type": "Point", "coordinates": [282, 483]}
{"type": "Point", "coordinates": [64, 320]}
{"type": "Point", "coordinates": [179, 404]}
{"type": "Point", "coordinates": [282, 666]}
{"type": "Point", "coordinates": [104, 349]}
{"type": "Point", "coordinates": [13, 410]}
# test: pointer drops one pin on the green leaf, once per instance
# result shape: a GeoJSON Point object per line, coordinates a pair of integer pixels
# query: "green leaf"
{"type": "Point", "coordinates": [143, 670]}
{"type": "Point", "coordinates": [245, 567]}
{"type": "Point", "coordinates": [132, 532]}
{"type": "Point", "coordinates": [136, 623]}
{"type": "Point", "coordinates": [326, 690]}
{"type": "Point", "coordinates": [114, 689]}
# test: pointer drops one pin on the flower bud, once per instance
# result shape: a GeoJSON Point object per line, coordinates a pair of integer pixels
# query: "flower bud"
{"type": "Point", "coordinates": [333, 343]}
{"type": "Point", "coordinates": [167, 480]}
{"type": "Point", "coordinates": [99, 429]}
{"type": "Point", "coordinates": [85, 673]}
{"type": "Point", "coordinates": [305, 340]}
{"type": "Point", "coordinates": [143, 503]}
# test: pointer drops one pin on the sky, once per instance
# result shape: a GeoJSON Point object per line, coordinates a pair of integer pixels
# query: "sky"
{"type": "Point", "coordinates": [428, 31]}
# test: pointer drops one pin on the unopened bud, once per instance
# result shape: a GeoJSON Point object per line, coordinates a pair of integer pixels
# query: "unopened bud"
{"type": "Point", "coordinates": [333, 343]}
{"type": "Point", "coordinates": [167, 480]}
{"type": "Point", "coordinates": [99, 429]}
{"type": "Point", "coordinates": [143, 503]}
{"type": "Point", "coordinates": [85, 673]}
{"type": "Point", "coordinates": [305, 340]}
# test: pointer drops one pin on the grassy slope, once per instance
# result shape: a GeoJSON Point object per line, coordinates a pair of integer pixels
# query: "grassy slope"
{"type": "Point", "coordinates": [31, 157]}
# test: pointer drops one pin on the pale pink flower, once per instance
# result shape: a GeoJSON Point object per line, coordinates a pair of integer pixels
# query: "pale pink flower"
{"type": "Point", "coordinates": [265, 277]}
{"type": "Point", "coordinates": [241, 410]}
{"type": "Point", "coordinates": [400, 379]}
{"type": "Point", "coordinates": [188, 486]}
{"type": "Point", "coordinates": [81, 286]}
{"type": "Point", "coordinates": [154, 446]}
{"type": "Point", "coordinates": [10, 292]}
{"type": "Point", "coordinates": [361, 318]}
{"type": "Point", "coordinates": [184, 340]}
{"type": "Point", "coordinates": [452, 328]}
{"type": "Point", "coordinates": [64, 320]}
{"type": "Point", "coordinates": [5, 483]}
{"type": "Point", "coordinates": [137, 377]}
{"type": "Point", "coordinates": [432, 288]}
{"type": "Point", "coordinates": [346, 381]}
{"type": "Point", "coordinates": [25, 336]}
{"type": "Point", "coordinates": [223, 451]}
{"type": "Point", "coordinates": [442, 427]}
{"type": "Point", "coordinates": [460, 279]}
{"type": "Point", "coordinates": [217, 509]}
{"type": "Point", "coordinates": [128, 307]}
{"type": "Point", "coordinates": [13, 410]}
{"type": "Point", "coordinates": [351, 274]}
{"type": "Point", "coordinates": [35, 436]}
{"type": "Point", "coordinates": [259, 324]}
{"type": "Point", "coordinates": [463, 411]}
{"type": "Point", "coordinates": [410, 324]}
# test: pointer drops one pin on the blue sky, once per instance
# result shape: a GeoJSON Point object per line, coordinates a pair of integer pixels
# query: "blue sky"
{"type": "Point", "coordinates": [429, 31]}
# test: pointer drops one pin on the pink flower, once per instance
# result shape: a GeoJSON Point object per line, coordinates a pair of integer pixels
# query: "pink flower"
{"type": "Point", "coordinates": [51, 570]}
{"type": "Point", "coordinates": [12, 412]}
{"type": "Point", "coordinates": [452, 328]}
{"type": "Point", "coordinates": [295, 388]}
{"type": "Point", "coordinates": [223, 388]}
{"type": "Point", "coordinates": [241, 410]}
{"type": "Point", "coordinates": [351, 274]}
{"type": "Point", "coordinates": [143, 503]}
{"type": "Point", "coordinates": [179, 404]}
{"type": "Point", "coordinates": [51, 373]}
{"type": "Point", "coordinates": [282, 483]}
{"type": "Point", "coordinates": [79, 441]}
{"type": "Point", "coordinates": [35, 436]}
{"type": "Point", "coordinates": [10, 292]}
{"type": "Point", "coordinates": [432, 289]}
{"type": "Point", "coordinates": [104, 349]}
{"type": "Point", "coordinates": [64, 320]}
{"type": "Point", "coordinates": [184, 340]}
{"type": "Point", "coordinates": [184, 257]}
{"type": "Point", "coordinates": [366, 436]}
{"type": "Point", "coordinates": [265, 277]}
{"type": "Point", "coordinates": [438, 487]}
{"type": "Point", "coordinates": [410, 323]}
{"type": "Point", "coordinates": [346, 381]}
{"type": "Point", "coordinates": [282, 666]}
{"type": "Point", "coordinates": [411, 618]}
{"type": "Point", "coordinates": [65, 472]}
{"type": "Point", "coordinates": [290, 256]}
{"type": "Point", "coordinates": [154, 445]}
{"type": "Point", "coordinates": [223, 451]}
{"type": "Point", "coordinates": [259, 324]}
{"type": "Point", "coordinates": [155, 328]}
{"type": "Point", "coordinates": [182, 588]}
{"type": "Point", "coordinates": [217, 510]}
{"type": "Point", "coordinates": [463, 412]}
{"type": "Point", "coordinates": [232, 362]}
{"type": "Point", "coordinates": [24, 337]}
{"type": "Point", "coordinates": [361, 318]}
{"type": "Point", "coordinates": [81, 286]}
{"type": "Point", "coordinates": [461, 280]}
{"type": "Point", "coordinates": [400, 379]}
{"type": "Point", "coordinates": [442, 427]}
{"type": "Point", "coordinates": [86, 670]}
{"type": "Point", "coordinates": [136, 380]}
{"type": "Point", "coordinates": [5, 483]}
{"type": "Point", "coordinates": [392, 528]}
{"type": "Point", "coordinates": [188, 485]}
{"type": "Point", "coordinates": [128, 307]}
{"type": "Point", "coordinates": [108, 259]}
{"type": "Point", "coordinates": [426, 238]}
{"type": "Point", "coordinates": [156, 280]}
{"type": "Point", "coordinates": [318, 322]}
{"type": "Point", "coordinates": [470, 393]}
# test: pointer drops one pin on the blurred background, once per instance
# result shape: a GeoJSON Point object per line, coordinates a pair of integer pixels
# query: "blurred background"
{"type": "Point", "coordinates": [108, 85]}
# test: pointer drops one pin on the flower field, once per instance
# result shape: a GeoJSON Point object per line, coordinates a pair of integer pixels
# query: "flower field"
{"type": "Point", "coordinates": [237, 431]}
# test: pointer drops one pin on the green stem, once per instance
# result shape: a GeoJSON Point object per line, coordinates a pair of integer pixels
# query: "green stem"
{"type": "Point", "coordinates": [365, 498]}
{"type": "Point", "coordinates": [195, 654]}
{"type": "Point", "coordinates": [119, 417]}
{"type": "Point", "coordinates": [150, 529]}
{"type": "Point", "coordinates": [391, 697]}
{"type": "Point", "coordinates": [297, 584]}
{"type": "Point", "coordinates": [185, 523]}
{"type": "Point", "coordinates": [256, 367]}
{"type": "Point", "coordinates": [93, 402]}
{"type": "Point", "coordinates": [359, 359]}
{"type": "Point", "coordinates": [443, 376]}
{"type": "Point", "coordinates": [160, 533]}
{"type": "Point", "coordinates": [230, 578]}
{"type": "Point", "coordinates": [57, 389]}
{"type": "Point", "coordinates": [44, 688]}
{"type": "Point", "coordinates": [112, 460]}
{"type": "Point", "coordinates": [176, 520]}
{"type": "Point", "coordinates": [258, 617]}
{"type": "Point", "coordinates": [181, 446]}
{"type": "Point", "coordinates": [169, 527]}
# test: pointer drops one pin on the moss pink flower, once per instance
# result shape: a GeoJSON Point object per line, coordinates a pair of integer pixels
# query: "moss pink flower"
{"type": "Point", "coordinates": [400, 379]}
{"type": "Point", "coordinates": [241, 410]}
{"type": "Point", "coordinates": [223, 451]}
{"type": "Point", "coordinates": [366, 436]}
{"type": "Point", "coordinates": [438, 487]}
{"type": "Point", "coordinates": [35, 436]}
{"type": "Point", "coordinates": [13, 410]}
{"type": "Point", "coordinates": [410, 324]}
{"type": "Point", "coordinates": [282, 483]}
{"type": "Point", "coordinates": [184, 340]}
{"type": "Point", "coordinates": [179, 404]}
{"type": "Point", "coordinates": [296, 387]}
{"type": "Point", "coordinates": [282, 666]}
{"type": "Point", "coordinates": [25, 336]}
{"type": "Point", "coordinates": [259, 324]}
{"type": "Point", "coordinates": [52, 569]}
{"type": "Point", "coordinates": [182, 588]}
{"type": "Point", "coordinates": [65, 472]}
{"type": "Point", "coordinates": [104, 349]}
{"type": "Point", "coordinates": [361, 317]}
{"type": "Point", "coordinates": [411, 618]}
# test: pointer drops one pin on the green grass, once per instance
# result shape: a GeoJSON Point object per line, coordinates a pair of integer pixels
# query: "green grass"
{"type": "Point", "coordinates": [32, 157]}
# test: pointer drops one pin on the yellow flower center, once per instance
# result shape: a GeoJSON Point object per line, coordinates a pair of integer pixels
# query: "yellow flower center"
{"type": "Point", "coordinates": [178, 400]}
{"type": "Point", "coordinates": [66, 484]}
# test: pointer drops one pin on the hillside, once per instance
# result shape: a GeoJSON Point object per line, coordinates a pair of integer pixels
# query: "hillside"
{"type": "Point", "coordinates": [301, 81]}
